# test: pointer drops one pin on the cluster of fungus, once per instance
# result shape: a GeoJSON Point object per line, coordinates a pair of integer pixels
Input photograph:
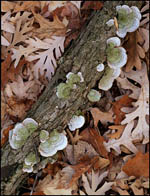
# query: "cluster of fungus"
{"type": "Point", "coordinates": [76, 122]}
{"type": "Point", "coordinates": [51, 143]}
{"type": "Point", "coordinates": [29, 162]}
{"type": "Point", "coordinates": [128, 21]}
{"type": "Point", "coordinates": [64, 89]}
{"type": "Point", "coordinates": [19, 134]}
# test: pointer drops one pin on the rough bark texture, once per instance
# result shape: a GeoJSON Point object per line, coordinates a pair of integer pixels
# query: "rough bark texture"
{"type": "Point", "coordinates": [50, 111]}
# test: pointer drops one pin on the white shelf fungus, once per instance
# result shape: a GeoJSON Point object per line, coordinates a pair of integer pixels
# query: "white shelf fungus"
{"type": "Point", "coordinates": [56, 141]}
{"type": "Point", "coordinates": [19, 134]}
{"type": "Point", "coordinates": [31, 159]}
{"type": "Point", "coordinates": [116, 55]}
{"type": "Point", "coordinates": [128, 19]}
{"type": "Point", "coordinates": [109, 76]}
{"type": "Point", "coordinates": [94, 95]}
{"type": "Point", "coordinates": [44, 135]}
{"type": "Point", "coordinates": [76, 122]}
{"type": "Point", "coordinates": [27, 168]}
{"type": "Point", "coordinates": [100, 67]}
{"type": "Point", "coordinates": [64, 89]}
{"type": "Point", "coordinates": [73, 78]}
{"type": "Point", "coordinates": [30, 124]}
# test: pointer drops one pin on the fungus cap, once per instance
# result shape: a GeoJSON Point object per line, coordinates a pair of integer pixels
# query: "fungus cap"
{"type": "Point", "coordinates": [128, 19]}
{"type": "Point", "coordinates": [94, 95]}
{"type": "Point", "coordinates": [76, 122]}
{"type": "Point", "coordinates": [44, 135]}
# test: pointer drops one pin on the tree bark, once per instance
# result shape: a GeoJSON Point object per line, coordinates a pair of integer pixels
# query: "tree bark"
{"type": "Point", "coordinates": [50, 111]}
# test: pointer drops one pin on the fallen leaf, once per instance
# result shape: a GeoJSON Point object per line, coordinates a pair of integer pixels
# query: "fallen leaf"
{"type": "Point", "coordinates": [91, 187]}
{"type": "Point", "coordinates": [117, 105]}
{"type": "Point", "coordinates": [26, 6]}
{"type": "Point", "coordinates": [91, 136]}
{"type": "Point", "coordinates": [9, 72]}
{"type": "Point", "coordinates": [95, 5]}
{"type": "Point", "coordinates": [65, 181]}
{"type": "Point", "coordinates": [17, 109]}
{"type": "Point", "coordinates": [6, 134]}
{"type": "Point", "coordinates": [76, 152]}
{"type": "Point", "coordinates": [118, 133]}
{"type": "Point", "coordinates": [7, 6]}
{"type": "Point", "coordinates": [134, 50]}
{"type": "Point", "coordinates": [48, 29]}
{"type": "Point", "coordinates": [137, 166]}
{"type": "Point", "coordinates": [77, 170]}
{"type": "Point", "coordinates": [98, 115]}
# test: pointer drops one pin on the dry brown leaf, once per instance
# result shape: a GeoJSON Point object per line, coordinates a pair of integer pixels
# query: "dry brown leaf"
{"type": "Point", "coordinates": [91, 136]}
{"type": "Point", "coordinates": [118, 133]}
{"type": "Point", "coordinates": [7, 6]}
{"type": "Point", "coordinates": [134, 50]}
{"type": "Point", "coordinates": [137, 166]}
{"type": "Point", "coordinates": [76, 152]}
{"type": "Point", "coordinates": [98, 115]}
{"type": "Point", "coordinates": [95, 5]}
{"type": "Point", "coordinates": [47, 28]}
{"type": "Point", "coordinates": [117, 105]}
{"type": "Point", "coordinates": [6, 134]}
{"type": "Point", "coordinates": [101, 163]}
{"type": "Point", "coordinates": [9, 72]}
{"type": "Point", "coordinates": [17, 108]}
{"type": "Point", "coordinates": [26, 6]}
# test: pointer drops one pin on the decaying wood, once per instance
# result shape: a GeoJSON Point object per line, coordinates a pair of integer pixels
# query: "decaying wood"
{"type": "Point", "coordinates": [50, 111]}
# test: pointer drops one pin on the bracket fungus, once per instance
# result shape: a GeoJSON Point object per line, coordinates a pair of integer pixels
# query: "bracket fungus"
{"type": "Point", "coordinates": [128, 19]}
{"type": "Point", "coordinates": [94, 95]}
{"type": "Point", "coordinates": [116, 55]}
{"type": "Point", "coordinates": [19, 134]}
{"type": "Point", "coordinates": [56, 141]}
{"type": "Point", "coordinates": [108, 78]}
{"type": "Point", "coordinates": [30, 161]}
{"type": "Point", "coordinates": [76, 122]}
{"type": "Point", "coordinates": [44, 135]}
{"type": "Point", "coordinates": [63, 90]}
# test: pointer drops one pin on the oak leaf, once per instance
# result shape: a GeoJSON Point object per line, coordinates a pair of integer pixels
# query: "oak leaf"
{"type": "Point", "coordinates": [103, 117]}
{"type": "Point", "coordinates": [91, 187]}
{"type": "Point", "coordinates": [137, 166]}
{"type": "Point", "coordinates": [25, 6]}
{"type": "Point", "coordinates": [141, 106]}
{"type": "Point", "coordinates": [91, 136]}
{"type": "Point", "coordinates": [134, 50]}
{"type": "Point", "coordinates": [126, 140]}
{"type": "Point", "coordinates": [8, 72]}
{"type": "Point", "coordinates": [17, 109]}
{"type": "Point", "coordinates": [48, 29]}
{"type": "Point", "coordinates": [124, 101]}
{"type": "Point", "coordinates": [118, 133]}
{"type": "Point", "coordinates": [46, 60]}
{"type": "Point", "coordinates": [7, 6]}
